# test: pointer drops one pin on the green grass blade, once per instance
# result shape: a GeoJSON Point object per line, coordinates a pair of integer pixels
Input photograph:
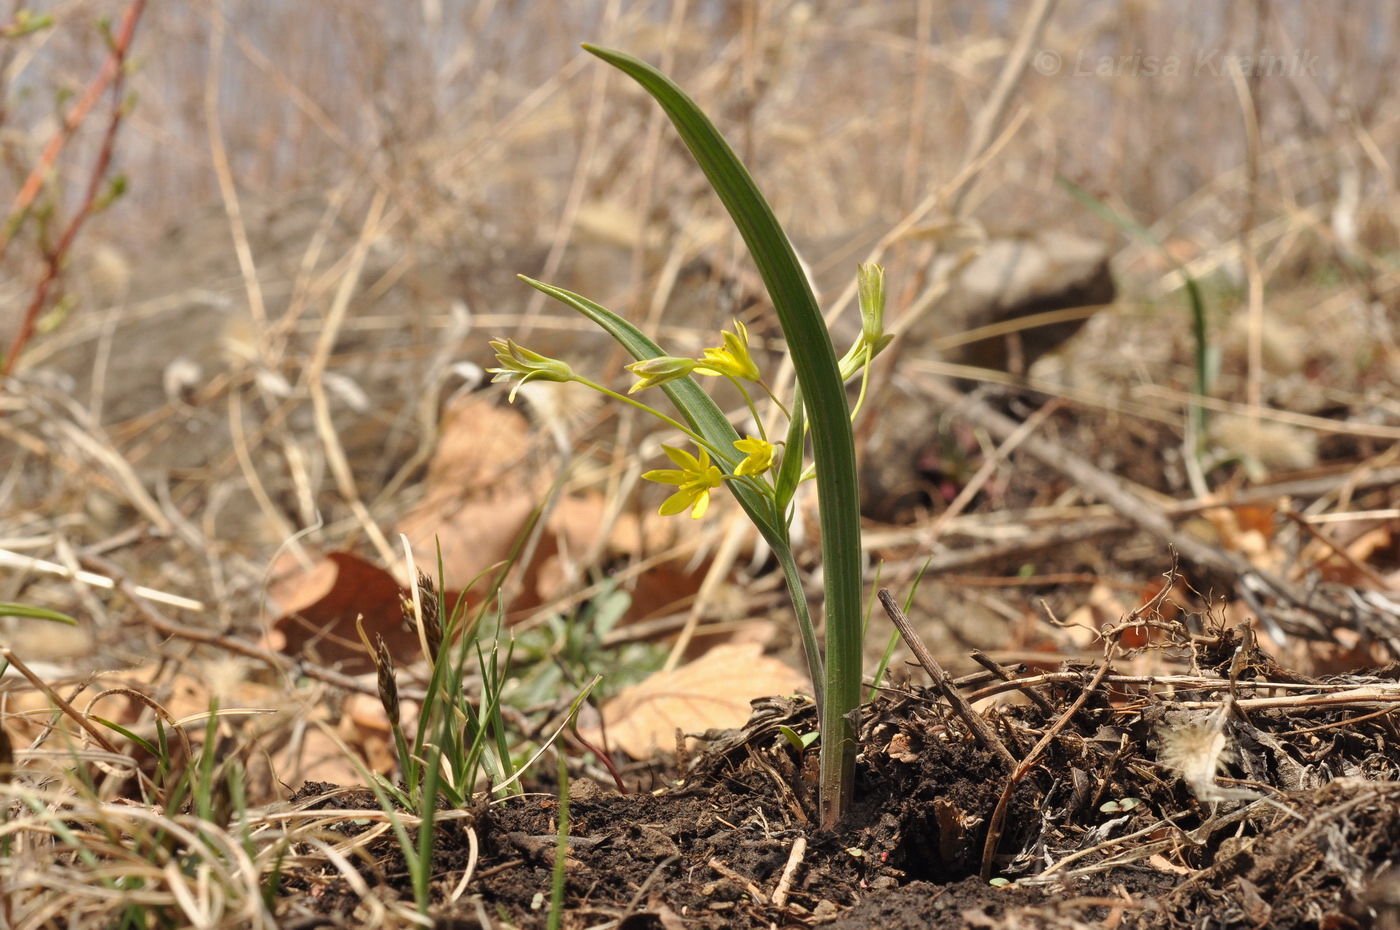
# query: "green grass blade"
{"type": "Point", "coordinates": [35, 613]}
{"type": "Point", "coordinates": [814, 360]}
{"type": "Point", "coordinates": [561, 851]}
{"type": "Point", "coordinates": [138, 740]}
{"type": "Point", "coordinates": [805, 627]}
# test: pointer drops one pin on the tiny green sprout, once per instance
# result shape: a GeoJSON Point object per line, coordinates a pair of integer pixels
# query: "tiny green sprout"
{"type": "Point", "coordinates": [1119, 807]}
{"type": "Point", "coordinates": [659, 370]}
{"type": "Point", "coordinates": [695, 479]}
{"type": "Point", "coordinates": [731, 359]}
{"type": "Point", "coordinates": [759, 456]}
{"type": "Point", "coordinates": [521, 365]}
{"type": "Point", "coordinates": [800, 741]}
{"type": "Point", "coordinates": [1000, 882]}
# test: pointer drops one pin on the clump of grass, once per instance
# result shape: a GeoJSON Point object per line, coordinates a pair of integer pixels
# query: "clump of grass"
{"type": "Point", "coordinates": [181, 853]}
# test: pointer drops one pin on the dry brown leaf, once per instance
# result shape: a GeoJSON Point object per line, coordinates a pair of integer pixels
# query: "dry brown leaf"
{"type": "Point", "coordinates": [317, 611]}
{"type": "Point", "coordinates": [477, 493]}
{"type": "Point", "coordinates": [474, 535]}
{"type": "Point", "coordinates": [577, 520]}
{"type": "Point", "coordinates": [480, 446]}
{"type": "Point", "coordinates": [1246, 530]}
{"type": "Point", "coordinates": [714, 691]}
{"type": "Point", "coordinates": [1162, 863]}
{"type": "Point", "coordinates": [1364, 550]}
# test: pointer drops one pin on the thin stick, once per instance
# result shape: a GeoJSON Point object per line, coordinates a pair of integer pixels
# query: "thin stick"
{"type": "Point", "coordinates": [1011, 72]}
{"type": "Point", "coordinates": [984, 734]}
{"type": "Point", "coordinates": [14, 560]}
{"type": "Point", "coordinates": [113, 75]}
{"type": "Point", "coordinates": [753, 890]}
{"type": "Point", "coordinates": [999, 815]}
{"type": "Point", "coordinates": [284, 664]}
{"type": "Point", "coordinates": [257, 307]}
{"type": "Point", "coordinates": [578, 187]}
{"type": "Point", "coordinates": [335, 452]}
{"type": "Point", "coordinates": [661, 866]}
{"type": "Point", "coordinates": [1113, 491]}
{"type": "Point", "coordinates": [799, 850]}
{"type": "Point", "coordinates": [734, 536]}
{"type": "Point", "coordinates": [993, 462]}
{"type": "Point", "coordinates": [1370, 573]}
{"type": "Point", "coordinates": [997, 669]}
{"type": "Point", "coordinates": [473, 853]}
{"type": "Point", "coordinates": [68, 709]}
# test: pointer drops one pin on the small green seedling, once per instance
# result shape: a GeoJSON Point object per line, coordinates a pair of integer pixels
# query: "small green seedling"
{"type": "Point", "coordinates": [800, 741]}
{"type": "Point", "coordinates": [1119, 807]}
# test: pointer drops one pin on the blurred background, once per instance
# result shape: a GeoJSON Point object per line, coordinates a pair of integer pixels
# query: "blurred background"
{"type": "Point", "coordinates": [336, 195]}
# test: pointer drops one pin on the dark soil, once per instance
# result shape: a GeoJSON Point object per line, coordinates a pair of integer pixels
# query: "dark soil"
{"type": "Point", "coordinates": [1299, 829]}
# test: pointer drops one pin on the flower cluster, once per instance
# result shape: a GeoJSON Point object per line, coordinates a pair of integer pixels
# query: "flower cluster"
{"type": "Point", "coordinates": [752, 457]}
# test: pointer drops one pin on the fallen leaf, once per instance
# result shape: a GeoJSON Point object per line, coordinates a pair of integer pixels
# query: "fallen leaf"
{"type": "Point", "coordinates": [481, 488]}
{"type": "Point", "coordinates": [714, 691]}
{"type": "Point", "coordinates": [478, 492]}
{"type": "Point", "coordinates": [1162, 863]}
{"type": "Point", "coordinates": [317, 610]}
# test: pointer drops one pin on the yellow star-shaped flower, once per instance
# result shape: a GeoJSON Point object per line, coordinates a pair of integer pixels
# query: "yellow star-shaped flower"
{"type": "Point", "coordinates": [759, 458]}
{"type": "Point", "coordinates": [732, 358]}
{"type": "Point", "coordinates": [694, 480]}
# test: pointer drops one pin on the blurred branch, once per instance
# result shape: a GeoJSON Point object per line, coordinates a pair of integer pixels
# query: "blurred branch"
{"type": "Point", "coordinates": [113, 76]}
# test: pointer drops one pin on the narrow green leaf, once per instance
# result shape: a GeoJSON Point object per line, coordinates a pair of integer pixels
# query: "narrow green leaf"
{"type": "Point", "coordinates": [35, 613]}
{"type": "Point", "coordinates": [138, 740]}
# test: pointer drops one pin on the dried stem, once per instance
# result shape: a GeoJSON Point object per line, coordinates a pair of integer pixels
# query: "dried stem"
{"type": "Point", "coordinates": [112, 75]}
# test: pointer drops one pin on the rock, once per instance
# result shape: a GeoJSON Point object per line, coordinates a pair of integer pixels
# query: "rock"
{"type": "Point", "coordinates": [1010, 278]}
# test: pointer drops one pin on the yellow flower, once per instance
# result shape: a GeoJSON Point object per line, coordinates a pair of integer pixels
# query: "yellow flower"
{"type": "Point", "coordinates": [760, 456]}
{"type": "Point", "coordinates": [659, 370]}
{"type": "Point", "coordinates": [522, 365]}
{"type": "Point", "coordinates": [694, 480]}
{"type": "Point", "coordinates": [732, 358]}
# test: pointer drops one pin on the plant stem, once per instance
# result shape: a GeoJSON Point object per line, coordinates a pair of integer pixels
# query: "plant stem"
{"type": "Point", "coordinates": [561, 850]}
{"type": "Point", "coordinates": [694, 437]}
{"type": "Point", "coordinates": [793, 577]}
